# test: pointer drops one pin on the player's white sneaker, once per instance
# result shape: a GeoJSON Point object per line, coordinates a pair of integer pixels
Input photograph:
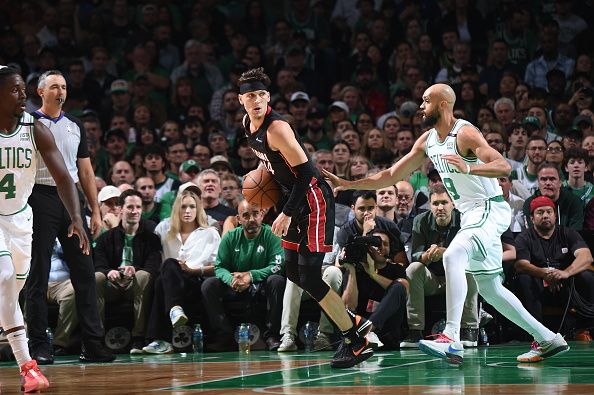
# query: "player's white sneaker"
{"type": "Point", "coordinates": [443, 347]}
{"type": "Point", "coordinates": [546, 349]}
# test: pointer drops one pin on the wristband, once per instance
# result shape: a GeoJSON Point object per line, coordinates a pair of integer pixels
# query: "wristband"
{"type": "Point", "coordinates": [467, 168]}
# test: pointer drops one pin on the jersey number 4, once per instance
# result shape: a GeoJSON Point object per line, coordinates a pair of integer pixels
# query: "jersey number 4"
{"type": "Point", "coordinates": [7, 186]}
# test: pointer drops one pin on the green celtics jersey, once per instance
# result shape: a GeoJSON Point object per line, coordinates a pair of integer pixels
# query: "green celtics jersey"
{"type": "Point", "coordinates": [465, 190]}
{"type": "Point", "coordinates": [18, 165]}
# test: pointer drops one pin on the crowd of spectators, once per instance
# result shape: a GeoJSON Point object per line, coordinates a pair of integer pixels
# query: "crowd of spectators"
{"type": "Point", "coordinates": [154, 84]}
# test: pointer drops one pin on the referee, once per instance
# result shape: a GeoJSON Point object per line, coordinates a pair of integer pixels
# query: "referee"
{"type": "Point", "coordinates": [51, 220]}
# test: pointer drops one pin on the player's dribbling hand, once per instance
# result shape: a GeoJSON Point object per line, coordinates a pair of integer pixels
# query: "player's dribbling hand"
{"type": "Point", "coordinates": [76, 228]}
{"type": "Point", "coordinates": [339, 183]}
{"type": "Point", "coordinates": [280, 226]}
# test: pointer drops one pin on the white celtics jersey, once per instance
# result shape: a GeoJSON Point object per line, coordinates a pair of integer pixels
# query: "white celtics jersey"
{"type": "Point", "coordinates": [18, 165]}
{"type": "Point", "coordinates": [465, 190]}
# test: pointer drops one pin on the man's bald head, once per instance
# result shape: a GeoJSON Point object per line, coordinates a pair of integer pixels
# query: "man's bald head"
{"type": "Point", "coordinates": [250, 218]}
{"type": "Point", "coordinates": [438, 100]}
{"type": "Point", "coordinates": [244, 206]}
{"type": "Point", "coordinates": [443, 92]}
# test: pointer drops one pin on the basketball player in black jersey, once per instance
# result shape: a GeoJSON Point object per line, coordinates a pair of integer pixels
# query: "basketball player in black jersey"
{"type": "Point", "coordinates": [306, 223]}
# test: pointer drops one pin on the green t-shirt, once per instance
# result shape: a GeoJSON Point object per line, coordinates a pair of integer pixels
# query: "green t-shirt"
{"type": "Point", "coordinates": [261, 256]}
{"type": "Point", "coordinates": [167, 204]}
{"type": "Point", "coordinates": [585, 193]}
{"type": "Point", "coordinates": [419, 181]}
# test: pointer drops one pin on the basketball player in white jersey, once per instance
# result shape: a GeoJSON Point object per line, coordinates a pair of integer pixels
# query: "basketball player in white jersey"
{"type": "Point", "coordinates": [21, 136]}
{"type": "Point", "coordinates": [469, 168]}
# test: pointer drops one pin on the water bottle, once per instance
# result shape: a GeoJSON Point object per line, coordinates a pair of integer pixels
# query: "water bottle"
{"type": "Point", "coordinates": [243, 339]}
{"type": "Point", "coordinates": [309, 336]}
{"type": "Point", "coordinates": [197, 340]}
{"type": "Point", "coordinates": [483, 339]}
{"type": "Point", "coordinates": [50, 336]}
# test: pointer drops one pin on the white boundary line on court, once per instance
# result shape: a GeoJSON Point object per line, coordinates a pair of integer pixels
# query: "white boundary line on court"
{"type": "Point", "coordinates": [181, 387]}
{"type": "Point", "coordinates": [263, 389]}
{"type": "Point", "coordinates": [266, 390]}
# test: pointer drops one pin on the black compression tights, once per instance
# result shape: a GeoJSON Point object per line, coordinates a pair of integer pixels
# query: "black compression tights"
{"type": "Point", "coordinates": [305, 270]}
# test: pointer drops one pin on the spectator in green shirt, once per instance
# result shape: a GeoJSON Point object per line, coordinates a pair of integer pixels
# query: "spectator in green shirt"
{"type": "Point", "coordinates": [247, 268]}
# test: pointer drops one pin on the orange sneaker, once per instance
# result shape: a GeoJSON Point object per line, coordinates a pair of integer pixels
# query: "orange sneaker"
{"type": "Point", "coordinates": [583, 336]}
{"type": "Point", "coordinates": [32, 380]}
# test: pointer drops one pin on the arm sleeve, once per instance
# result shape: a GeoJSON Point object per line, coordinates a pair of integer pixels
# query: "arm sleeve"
{"type": "Point", "coordinates": [223, 258]}
{"type": "Point", "coordinates": [305, 173]}
{"type": "Point", "coordinates": [274, 259]}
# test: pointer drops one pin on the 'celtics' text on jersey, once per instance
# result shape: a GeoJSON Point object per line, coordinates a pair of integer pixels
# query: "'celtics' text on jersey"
{"type": "Point", "coordinates": [18, 164]}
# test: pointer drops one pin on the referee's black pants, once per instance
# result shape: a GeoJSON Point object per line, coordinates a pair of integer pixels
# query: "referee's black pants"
{"type": "Point", "coordinates": [51, 220]}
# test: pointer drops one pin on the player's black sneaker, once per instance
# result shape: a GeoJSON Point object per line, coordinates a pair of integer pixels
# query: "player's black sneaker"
{"type": "Point", "coordinates": [350, 353]}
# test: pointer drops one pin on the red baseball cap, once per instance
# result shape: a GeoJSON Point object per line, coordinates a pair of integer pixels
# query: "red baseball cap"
{"type": "Point", "coordinates": [541, 201]}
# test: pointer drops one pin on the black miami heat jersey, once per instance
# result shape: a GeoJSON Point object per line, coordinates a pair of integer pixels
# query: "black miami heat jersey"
{"type": "Point", "coordinates": [274, 161]}
{"type": "Point", "coordinates": [313, 224]}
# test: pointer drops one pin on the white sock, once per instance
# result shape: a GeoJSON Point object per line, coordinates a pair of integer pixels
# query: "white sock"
{"type": "Point", "coordinates": [20, 349]}
{"type": "Point", "coordinates": [454, 263]}
{"type": "Point", "coordinates": [492, 289]}
{"type": "Point", "coordinates": [11, 315]}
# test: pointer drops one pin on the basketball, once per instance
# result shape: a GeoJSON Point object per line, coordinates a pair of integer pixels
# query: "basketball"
{"type": "Point", "coordinates": [260, 188]}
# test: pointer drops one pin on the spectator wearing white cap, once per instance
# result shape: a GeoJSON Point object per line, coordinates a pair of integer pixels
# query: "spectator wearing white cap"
{"type": "Point", "coordinates": [221, 165]}
{"type": "Point", "coordinates": [338, 111]}
{"type": "Point", "coordinates": [298, 108]}
{"type": "Point", "coordinates": [110, 208]}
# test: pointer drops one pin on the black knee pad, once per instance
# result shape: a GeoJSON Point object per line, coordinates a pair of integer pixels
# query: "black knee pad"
{"type": "Point", "coordinates": [312, 283]}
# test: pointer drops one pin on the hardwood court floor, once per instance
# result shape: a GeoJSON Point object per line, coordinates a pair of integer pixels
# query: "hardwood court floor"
{"type": "Point", "coordinates": [491, 370]}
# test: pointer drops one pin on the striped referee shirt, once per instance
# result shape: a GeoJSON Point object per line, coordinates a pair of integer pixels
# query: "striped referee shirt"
{"type": "Point", "coordinates": [71, 140]}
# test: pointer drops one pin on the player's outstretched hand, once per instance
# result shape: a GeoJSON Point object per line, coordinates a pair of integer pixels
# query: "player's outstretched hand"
{"type": "Point", "coordinates": [76, 228]}
{"type": "Point", "coordinates": [338, 183]}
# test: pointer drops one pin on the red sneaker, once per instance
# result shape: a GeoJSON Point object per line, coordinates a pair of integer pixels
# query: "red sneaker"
{"type": "Point", "coordinates": [32, 379]}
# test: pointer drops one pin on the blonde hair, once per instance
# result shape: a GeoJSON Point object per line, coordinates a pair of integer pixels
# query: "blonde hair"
{"type": "Point", "coordinates": [201, 220]}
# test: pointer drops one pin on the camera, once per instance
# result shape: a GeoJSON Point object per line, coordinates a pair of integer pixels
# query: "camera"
{"type": "Point", "coordinates": [355, 250]}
